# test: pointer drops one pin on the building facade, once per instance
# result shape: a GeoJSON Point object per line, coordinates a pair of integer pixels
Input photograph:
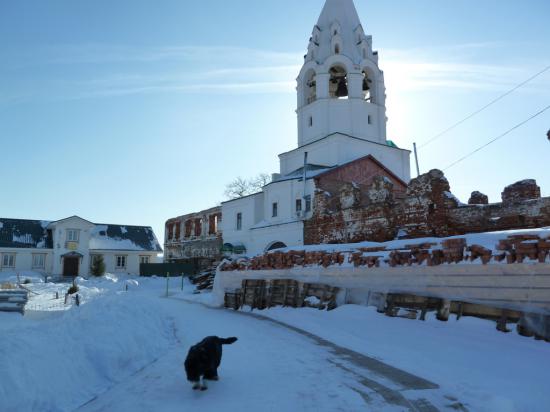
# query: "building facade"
{"type": "Point", "coordinates": [194, 238]}
{"type": "Point", "coordinates": [68, 246]}
{"type": "Point", "coordinates": [341, 118]}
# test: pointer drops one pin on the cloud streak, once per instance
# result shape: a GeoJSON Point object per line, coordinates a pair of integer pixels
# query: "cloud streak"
{"type": "Point", "coordinates": [111, 71]}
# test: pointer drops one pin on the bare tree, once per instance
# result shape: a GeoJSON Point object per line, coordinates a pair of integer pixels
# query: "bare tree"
{"type": "Point", "coordinates": [243, 187]}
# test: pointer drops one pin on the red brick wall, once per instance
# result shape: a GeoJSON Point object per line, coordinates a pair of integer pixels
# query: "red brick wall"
{"type": "Point", "coordinates": [427, 208]}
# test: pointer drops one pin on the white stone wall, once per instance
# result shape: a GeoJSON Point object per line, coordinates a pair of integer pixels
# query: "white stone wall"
{"type": "Point", "coordinates": [260, 229]}
{"type": "Point", "coordinates": [338, 149]}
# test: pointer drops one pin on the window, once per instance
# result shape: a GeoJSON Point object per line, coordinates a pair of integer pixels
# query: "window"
{"type": "Point", "coordinates": [274, 210]}
{"type": "Point", "coordinates": [144, 259]}
{"type": "Point", "coordinates": [298, 205]}
{"type": "Point", "coordinates": [239, 221]}
{"type": "Point", "coordinates": [8, 260]}
{"type": "Point", "coordinates": [369, 119]}
{"type": "Point", "coordinates": [38, 261]}
{"type": "Point", "coordinates": [310, 121]}
{"type": "Point", "coordinates": [308, 202]}
{"type": "Point", "coordinates": [120, 262]}
{"type": "Point", "coordinates": [337, 49]}
{"type": "Point", "coordinates": [72, 235]}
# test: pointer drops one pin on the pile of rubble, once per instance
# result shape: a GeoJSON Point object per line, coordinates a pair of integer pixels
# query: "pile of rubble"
{"type": "Point", "coordinates": [514, 249]}
{"type": "Point", "coordinates": [204, 280]}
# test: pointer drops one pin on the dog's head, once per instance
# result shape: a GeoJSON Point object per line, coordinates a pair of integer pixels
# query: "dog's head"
{"type": "Point", "coordinates": [196, 363]}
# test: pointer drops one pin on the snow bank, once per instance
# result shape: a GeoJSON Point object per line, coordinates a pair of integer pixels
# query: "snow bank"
{"type": "Point", "coordinates": [61, 361]}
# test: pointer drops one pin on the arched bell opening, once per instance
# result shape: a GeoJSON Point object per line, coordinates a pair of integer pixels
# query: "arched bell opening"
{"type": "Point", "coordinates": [368, 87]}
{"type": "Point", "coordinates": [310, 87]}
{"type": "Point", "coordinates": [338, 83]}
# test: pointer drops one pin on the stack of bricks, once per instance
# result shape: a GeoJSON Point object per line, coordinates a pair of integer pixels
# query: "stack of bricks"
{"type": "Point", "coordinates": [453, 250]}
{"type": "Point", "coordinates": [517, 248]}
{"type": "Point", "coordinates": [477, 251]}
{"type": "Point", "coordinates": [513, 249]}
{"type": "Point", "coordinates": [358, 259]}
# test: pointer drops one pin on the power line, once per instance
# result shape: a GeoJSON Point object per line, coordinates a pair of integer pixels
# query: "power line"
{"type": "Point", "coordinates": [498, 137]}
{"type": "Point", "coordinates": [437, 136]}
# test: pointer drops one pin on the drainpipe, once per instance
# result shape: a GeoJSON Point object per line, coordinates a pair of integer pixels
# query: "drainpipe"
{"type": "Point", "coordinates": [304, 177]}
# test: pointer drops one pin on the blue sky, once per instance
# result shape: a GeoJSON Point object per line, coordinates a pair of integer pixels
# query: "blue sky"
{"type": "Point", "coordinates": [135, 111]}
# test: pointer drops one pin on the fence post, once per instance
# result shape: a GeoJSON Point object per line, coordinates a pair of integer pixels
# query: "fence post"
{"type": "Point", "coordinates": [77, 299]}
{"type": "Point", "coordinates": [167, 282]}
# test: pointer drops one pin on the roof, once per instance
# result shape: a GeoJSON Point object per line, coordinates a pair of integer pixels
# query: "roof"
{"type": "Point", "coordinates": [121, 237]}
{"type": "Point", "coordinates": [344, 13]}
{"type": "Point", "coordinates": [372, 159]}
{"type": "Point", "coordinates": [22, 233]}
{"type": "Point", "coordinates": [391, 145]}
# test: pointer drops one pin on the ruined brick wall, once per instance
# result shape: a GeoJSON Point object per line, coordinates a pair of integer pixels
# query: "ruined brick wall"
{"type": "Point", "coordinates": [351, 213]}
{"type": "Point", "coordinates": [199, 239]}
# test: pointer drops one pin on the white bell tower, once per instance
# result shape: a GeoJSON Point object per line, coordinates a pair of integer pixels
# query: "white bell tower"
{"type": "Point", "coordinates": [340, 87]}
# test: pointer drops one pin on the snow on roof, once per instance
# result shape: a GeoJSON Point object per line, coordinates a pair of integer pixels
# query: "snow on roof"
{"type": "Point", "coordinates": [23, 233]}
{"type": "Point", "coordinates": [117, 237]}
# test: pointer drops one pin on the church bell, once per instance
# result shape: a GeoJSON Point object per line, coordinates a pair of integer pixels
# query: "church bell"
{"type": "Point", "coordinates": [342, 90]}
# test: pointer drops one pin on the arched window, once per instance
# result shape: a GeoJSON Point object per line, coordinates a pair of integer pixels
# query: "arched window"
{"type": "Point", "coordinates": [310, 91]}
{"type": "Point", "coordinates": [338, 83]}
{"type": "Point", "coordinates": [368, 87]}
{"type": "Point", "coordinates": [275, 245]}
{"type": "Point", "coordinates": [336, 48]}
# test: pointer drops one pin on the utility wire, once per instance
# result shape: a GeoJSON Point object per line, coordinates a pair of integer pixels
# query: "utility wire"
{"type": "Point", "coordinates": [498, 137]}
{"type": "Point", "coordinates": [437, 136]}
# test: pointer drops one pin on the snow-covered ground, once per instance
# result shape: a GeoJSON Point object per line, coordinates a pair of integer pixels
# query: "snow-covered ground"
{"type": "Point", "coordinates": [123, 350]}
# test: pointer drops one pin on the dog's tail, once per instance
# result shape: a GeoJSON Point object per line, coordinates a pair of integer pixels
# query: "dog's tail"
{"type": "Point", "coordinates": [227, 341]}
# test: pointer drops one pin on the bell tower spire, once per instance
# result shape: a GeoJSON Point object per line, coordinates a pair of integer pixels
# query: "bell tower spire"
{"type": "Point", "coordinates": [340, 86]}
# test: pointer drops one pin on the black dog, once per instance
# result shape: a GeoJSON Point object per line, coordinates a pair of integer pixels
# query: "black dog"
{"type": "Point", "coordinates": [204, 359]}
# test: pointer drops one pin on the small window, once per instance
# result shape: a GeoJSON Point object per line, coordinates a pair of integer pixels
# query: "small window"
{"type": "Point", "coordinates": [310, 121]}
{"type": "Point", "coordinates": [337, 49]}
{"type": "Point", "coordinates": [144, 259]}
{"type": "Point", "coordinates": [308, 202]}
{"type": "Point", "coordinates": [369, 119]}
{"type": "Point", "coordinates": [298, 205]}
{"type": "Point", "coordinates": [120, 262]}
{"type": "Point", "coordinates": [38, 261]}
{"type": "Point", "coordinates": [239, 221]}
{"type": "Point", "coordinates": [72, 235]}
{"type": "Point", "coordinates": [8, 260]}
{"type": "Point", "coordinates": [274, 210]}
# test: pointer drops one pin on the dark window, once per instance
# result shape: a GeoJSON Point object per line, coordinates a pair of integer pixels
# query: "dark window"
{"type": "Point", "coordinates": [239, 221]}
{"type": "Point", "coordinates": [274, 209]}
{"type": "Point", "coordinates": [310, 121]}
{"type": "Point", "coordinates": [298, 205]}
{"type": "Point", "coordinates": [308, 202]}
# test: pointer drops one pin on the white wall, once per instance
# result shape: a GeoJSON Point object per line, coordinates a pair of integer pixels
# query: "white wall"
{"type": "Point", "coordinates": [132, 260]}
{"type": "Point", "coordinates": [350, 116]}
{"type": "Point", "coordinates": [338, 149]}
{"type": "Point", "coordinates": [260, 229]}
{"type": "Point", "coordinates": [23, 260]}
{"type": "Point", "coordinates": [59, 232]}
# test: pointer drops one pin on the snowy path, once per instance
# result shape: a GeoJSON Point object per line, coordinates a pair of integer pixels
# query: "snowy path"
{"type": "Point", "coordinates": [273, 367]}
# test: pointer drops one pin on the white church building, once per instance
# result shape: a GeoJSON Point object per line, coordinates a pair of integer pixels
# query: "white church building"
{"type": "Point", "coordinates": [341, 118]}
